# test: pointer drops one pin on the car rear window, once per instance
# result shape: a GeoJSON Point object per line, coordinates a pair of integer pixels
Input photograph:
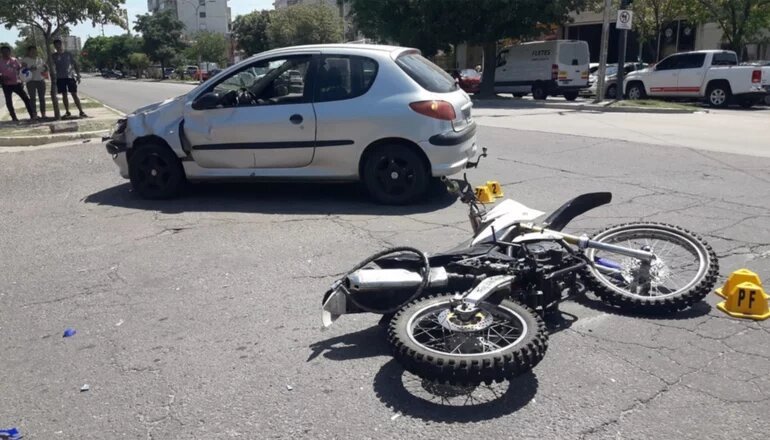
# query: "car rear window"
{"type": "Point", "coordinates": [725, 59]}
{"type": "Point", "coordinates": [428, 75]}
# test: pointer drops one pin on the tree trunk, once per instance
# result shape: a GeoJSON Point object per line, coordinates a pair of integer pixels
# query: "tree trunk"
{"type": "Point", "coordinates": [488, 76]}
{"type": "Point", "coordinates": [52, 75]}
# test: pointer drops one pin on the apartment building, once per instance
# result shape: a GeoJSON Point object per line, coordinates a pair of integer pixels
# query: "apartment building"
{"type": "Point", "coordinates": [197, 15]}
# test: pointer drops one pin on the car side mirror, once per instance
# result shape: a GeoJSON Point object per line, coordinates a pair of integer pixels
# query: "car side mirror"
{"type": "Point", "coordinates": [207, 101]}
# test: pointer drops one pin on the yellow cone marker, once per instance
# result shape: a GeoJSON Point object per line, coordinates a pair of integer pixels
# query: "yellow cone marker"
{"type": "Point", "coordinates": [738, 277]}
{"type": "Point", "coordinates": [484, 195]}
{"type": "Point", "coordinates": [496, 189]}
{"type": "Point", "coordinates": [746, 300]}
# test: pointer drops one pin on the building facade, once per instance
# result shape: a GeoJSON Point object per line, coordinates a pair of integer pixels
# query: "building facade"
{"type": "Point", "coordinates": [197, 15]}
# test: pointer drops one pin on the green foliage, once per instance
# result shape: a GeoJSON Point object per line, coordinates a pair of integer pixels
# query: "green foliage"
{"type": "Point", "coordinates": [209, 47]}
{"type": "Point", "coordinates": [139, 62]}
{"type": "Point", "coordinates": [250, 31]}
{"type": "Point", "coordinates": [742, 21]}
{"type": "Point", "coordinates": [161, 35]}
{"type": "Point", "coordinates": [304, 24]}
{"type": "Point", "coordinates": [652, 16]}
{"type": "Point", "coordinates": [431, 25]}
{"type": "Point", "coordinates": [111, 52]}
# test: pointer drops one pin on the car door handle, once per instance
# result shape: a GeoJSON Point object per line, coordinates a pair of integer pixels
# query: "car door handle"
{"type": "Point", "coordinates": [296, 119]}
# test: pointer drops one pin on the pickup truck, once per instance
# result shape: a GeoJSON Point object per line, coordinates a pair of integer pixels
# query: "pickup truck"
{"type": "Point", "coordinates": [713, 75]}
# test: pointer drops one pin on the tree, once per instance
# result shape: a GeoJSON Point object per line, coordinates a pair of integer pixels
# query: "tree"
{"type": "Point", "coordinates": [742, 21]}
{"type": "Point", "coordinates": [250, 31]}
{"type": "Point", "coordinates": [139, 62]}
{"type": "Point", "coordinates": [51, 18]}
{"type": "Point", "coordinates": [208, 46]}
{"type": "Point", "coordinates": [161, 36]}
{"type": "Point", "coordinates": [483, 22]}
{"type": "Point", "coordinates": [304, 24]}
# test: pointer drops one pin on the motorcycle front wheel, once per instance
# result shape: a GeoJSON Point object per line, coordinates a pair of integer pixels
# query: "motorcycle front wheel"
{"type": "Point", "coordinates": [683, 272]}
{"type": "Point", "coordinates": [497, 342]}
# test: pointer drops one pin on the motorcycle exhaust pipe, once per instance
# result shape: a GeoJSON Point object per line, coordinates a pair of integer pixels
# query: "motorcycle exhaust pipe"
{"type": "Point", "coordinates": [377, 280]}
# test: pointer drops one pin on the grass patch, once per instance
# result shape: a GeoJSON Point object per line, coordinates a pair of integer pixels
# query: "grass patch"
{"type": "Point", "coordinates": [654, 103]}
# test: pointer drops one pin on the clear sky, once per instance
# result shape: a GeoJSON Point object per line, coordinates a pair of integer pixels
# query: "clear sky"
{"type": "Point", "coordinates": [137, 7]}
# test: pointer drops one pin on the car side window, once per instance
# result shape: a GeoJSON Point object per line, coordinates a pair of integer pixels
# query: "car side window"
{"type": "Point", "coordinates": [267, 82]}
{"type": "Point", "coordinates": [342, 77]}
{"type": "Point", "coordinates": [668, 63]}
{"type": "Point", "coordinates": [692, 61]}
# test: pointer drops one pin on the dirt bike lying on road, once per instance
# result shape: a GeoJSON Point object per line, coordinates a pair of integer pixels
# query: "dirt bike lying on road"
{"type": "Point", "coordinates": [474, 314]}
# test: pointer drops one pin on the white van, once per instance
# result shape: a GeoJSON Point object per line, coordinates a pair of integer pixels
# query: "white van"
{"type": "Point", "coordinates": [543, 68]}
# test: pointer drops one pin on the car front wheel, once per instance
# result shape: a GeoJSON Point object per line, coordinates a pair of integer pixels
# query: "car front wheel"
{"type": "Point", "coordinates": [636, 91]}
{"type": "Point", "coordinates": [395, 174]}
{"type": "Point", "coordinates": [612, 92]}
{"type": "Point", "coordinates": [155, 172]}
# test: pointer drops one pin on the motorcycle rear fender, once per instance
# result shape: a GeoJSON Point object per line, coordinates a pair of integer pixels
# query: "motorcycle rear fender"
{"type": "Point", "coordinates": [560, 218]}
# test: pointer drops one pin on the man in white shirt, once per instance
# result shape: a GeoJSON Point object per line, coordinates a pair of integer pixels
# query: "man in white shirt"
{"type": "Point", "coordinates": [35, 80]}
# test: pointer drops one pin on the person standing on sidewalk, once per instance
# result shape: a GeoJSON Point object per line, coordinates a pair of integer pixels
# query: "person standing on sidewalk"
{"type": "Point", "coordinates": [36, 82]}
{"type": "Point", "coordinates": [9, 71]}
{"type": "Point", "coordinates": [65, 81]}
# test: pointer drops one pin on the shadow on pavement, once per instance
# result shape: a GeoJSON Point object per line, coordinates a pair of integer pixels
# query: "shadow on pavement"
{"type": "Point", "coordinates": [411, 396]}
{"type": "Point", "coordinates": [362, 344]}
{"type": "Point", "coordinates": [272, 198]}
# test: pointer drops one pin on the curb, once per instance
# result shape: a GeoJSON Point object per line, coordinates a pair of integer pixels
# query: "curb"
{"type": "Point", "coordinates": [33, 141]}
{"type": "Point", "coordinates": [494, 103]}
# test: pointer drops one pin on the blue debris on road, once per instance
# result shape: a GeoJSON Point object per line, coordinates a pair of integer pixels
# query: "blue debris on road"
{"type": "Point", "coordinates": [10, 434]}
{"type": "Point", "coordinates": [69, 332]}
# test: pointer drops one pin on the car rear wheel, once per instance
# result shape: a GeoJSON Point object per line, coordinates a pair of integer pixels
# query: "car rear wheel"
{"type": "Point", "coordinates": [612, 92]}
{"type": "Point", "coordinates": [747, 102]}
{"type": "Point", "coordinates": [395, 174]}
{"type": "Point", "coordinates": [155, 172]}
{"type": "Point", "coordinates": [570, 96]}
{"type": "Point", "coordinates": [718, 95]}
{"type": "Point", "coordinates": [539, 93]}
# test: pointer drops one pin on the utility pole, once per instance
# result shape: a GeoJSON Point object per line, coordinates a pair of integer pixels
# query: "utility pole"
{"type": "Point", "coordinates": [622, 43]}
{"type": "Point", "coordinates": [601, 74]}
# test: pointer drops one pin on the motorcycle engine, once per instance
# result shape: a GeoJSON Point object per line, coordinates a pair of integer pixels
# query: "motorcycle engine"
{"type": "Point", "coordinates": [546, 253]}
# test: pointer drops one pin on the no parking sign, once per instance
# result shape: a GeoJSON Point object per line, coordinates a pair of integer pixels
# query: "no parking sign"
{"type": "Point", "coordinates": [625, 18]}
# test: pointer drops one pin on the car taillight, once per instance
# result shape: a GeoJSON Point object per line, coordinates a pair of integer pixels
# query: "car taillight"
{"type": "Point", "coordinates": [756, 76]}
{"type": "Point", "coordinates": [435, 109]}
{"type": "Point", "coordinates": [554, 72]}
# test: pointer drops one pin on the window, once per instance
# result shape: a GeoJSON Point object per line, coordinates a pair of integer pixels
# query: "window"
{"type": "Point", "coordinates": [344, 77]}
{"type": "Point", "coordinates": [269, 82]}
{"type": "Point", "coordinates": [725, 59]}
{"type": "Point", "coordinates": [428, 75]}
{"type": "Point", "coordinates": [669, 63]}
{"type": "Point", "coordinates": [201, 2]}
{"type": "Point", "coordinates": [202, 14]}
{"type": "Point", "coordinates": [501, 58]}
{"type": "Point", "coordinates": [691, 61]}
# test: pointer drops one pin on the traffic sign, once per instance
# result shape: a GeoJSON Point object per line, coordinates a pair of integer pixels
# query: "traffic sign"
{"type": "Point", "coordinates": [625, 19]}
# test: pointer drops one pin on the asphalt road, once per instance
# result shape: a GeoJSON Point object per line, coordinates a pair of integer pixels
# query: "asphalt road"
{"type": "Point", "coordinates": [199, 317]}
{"type": "Point", "coordinates": [128, 95]}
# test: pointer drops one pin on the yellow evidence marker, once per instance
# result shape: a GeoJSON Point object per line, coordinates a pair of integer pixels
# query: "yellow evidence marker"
{"type": "Point", "coordinates": [738, 277]}
{"type": "Point", "coordinates": [746, 300]}
{"type": "Point", "coordinates": [495, 187]}
{"type": "Point", "coordinates": [484, 195]}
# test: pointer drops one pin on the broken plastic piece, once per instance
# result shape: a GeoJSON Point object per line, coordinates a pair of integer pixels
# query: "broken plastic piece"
{"type": "Point", "coordinates": [85, 387]}
{"type": "Point", "coordinates": [10, 434]}
{"type": "Point", "coordinates": [289, 387]}
{"type": "Point", "coordinates": [69, 332]}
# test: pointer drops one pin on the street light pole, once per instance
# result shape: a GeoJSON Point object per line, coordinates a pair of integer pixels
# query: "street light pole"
{"type": "Point", "coordinates": [622, 43]}
{"type": "Point", "coordinates": [601, 73]}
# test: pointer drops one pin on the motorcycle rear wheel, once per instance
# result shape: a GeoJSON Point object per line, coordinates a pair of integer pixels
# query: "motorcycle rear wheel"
{"type": "Point", "coordinates": [683, 273]}
{"type": "Point", "coordinates": [505, 340]}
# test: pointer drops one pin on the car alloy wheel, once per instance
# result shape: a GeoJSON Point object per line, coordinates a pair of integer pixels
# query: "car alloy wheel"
{"type": "Point", "coordinates": [395, 174]}
{"type": "Point", "coordinates": [717, 97]}
{"type": "Point", "coordinates": [155, 172]}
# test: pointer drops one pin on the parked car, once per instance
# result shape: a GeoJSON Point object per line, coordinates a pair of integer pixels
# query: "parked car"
{"type": "Point", "coordinates": [713, 75]}
{"type": "Point", "coordinates": [543, 68]}
{"type": "Point", "coordinates": [468, 79]}
{"type": "Point", "coordinates": [382, 115]}
{"type": "Point", "coordinates": [192, 71]}
{"type": "Point", "coordinates": [610, 79]}
{"type": "Point", "coordinates": [168, 72]}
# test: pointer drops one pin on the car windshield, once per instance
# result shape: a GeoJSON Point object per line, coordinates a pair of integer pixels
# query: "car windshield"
{"type": "Point", "coordinates": [428, 75]}
{"type": "Point", "coordinates": [254, 77]}
{"type": "Point", "coordinates": [612, 70]}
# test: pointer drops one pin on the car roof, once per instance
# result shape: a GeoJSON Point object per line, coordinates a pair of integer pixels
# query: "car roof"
{"type": "Point", "coordinates": [339, 48]}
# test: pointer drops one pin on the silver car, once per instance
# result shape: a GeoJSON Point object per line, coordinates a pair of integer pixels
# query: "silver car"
{"type": "Point", "coordinates": [379, 114]}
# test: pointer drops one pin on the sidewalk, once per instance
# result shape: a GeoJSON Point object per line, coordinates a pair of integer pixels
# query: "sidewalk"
{"type": "Point", "coordinates": [27, 133]}
{"type": "Point", "coordinates": [587, 104]}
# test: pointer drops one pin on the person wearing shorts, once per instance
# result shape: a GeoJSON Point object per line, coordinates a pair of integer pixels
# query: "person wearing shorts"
{"type": "Point", "coordinates": [66, 82]}
{"type": "Point", "coordinates": [9, 72]}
